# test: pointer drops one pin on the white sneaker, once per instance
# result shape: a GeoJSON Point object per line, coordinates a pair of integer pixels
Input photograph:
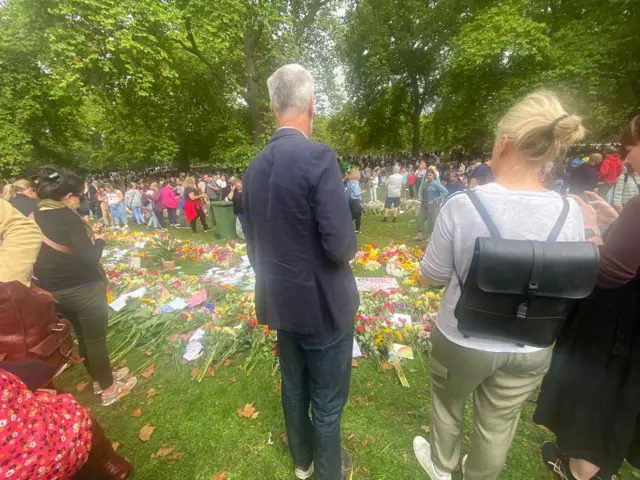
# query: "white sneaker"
{"type": "Point", "coordinates": [118, 375]}
{"type": "Point", "coordinates": [422, 450]}
{"type": "Point", "coordinates": [464, 462]}
{"type": "Point", "coordinates": [304, 474]}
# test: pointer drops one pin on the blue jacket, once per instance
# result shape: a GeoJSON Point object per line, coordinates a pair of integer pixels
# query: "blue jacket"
{"type": "Point", "coordinates": [300, 236]}
{"type": "Point", "coordinates": [433, 193]}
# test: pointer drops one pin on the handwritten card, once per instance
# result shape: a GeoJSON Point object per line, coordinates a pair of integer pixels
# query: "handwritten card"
{"type": "Point", "coordinates": [198, 298]}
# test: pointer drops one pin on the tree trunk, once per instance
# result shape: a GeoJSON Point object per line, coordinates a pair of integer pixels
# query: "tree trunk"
{"type": "Point", "coordinates": [415, 123]}
{"type": "Point", "coordinates": [252, 95]}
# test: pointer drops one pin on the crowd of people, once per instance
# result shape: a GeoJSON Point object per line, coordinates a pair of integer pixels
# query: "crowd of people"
{"type": "Point", "coordinates": [297, 213]}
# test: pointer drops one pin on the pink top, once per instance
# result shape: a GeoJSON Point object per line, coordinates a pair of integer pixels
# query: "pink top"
{"type": "Point", "coordinates": [169, 199]}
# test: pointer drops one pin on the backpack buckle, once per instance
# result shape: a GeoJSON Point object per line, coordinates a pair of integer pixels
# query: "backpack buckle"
{"type": "Point", "coordinates": [521, 314]}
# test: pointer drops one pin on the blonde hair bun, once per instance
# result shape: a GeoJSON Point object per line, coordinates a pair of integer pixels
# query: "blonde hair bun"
{"type": "Point", "coordinates": [539, 127]}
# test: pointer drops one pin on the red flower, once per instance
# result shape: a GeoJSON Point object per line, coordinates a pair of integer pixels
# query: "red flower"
{"type": "Point", "coordinates": [389, 307]}
{"type": "Point", "coordinates": [360, 328]}
{"type": "Point", "coordinates": [427, 327]}
{"type": "Point", "coordinates": [361, 318]}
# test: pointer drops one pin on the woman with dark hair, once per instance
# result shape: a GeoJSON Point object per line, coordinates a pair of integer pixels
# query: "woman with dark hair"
{"type": "Point", "coordinates": [68, 266]}
{"type": "Point", "coordinates": [590, 398]}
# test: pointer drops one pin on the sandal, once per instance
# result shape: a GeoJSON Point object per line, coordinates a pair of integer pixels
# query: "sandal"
{"type": "Point", "coordinates": [122, 389]}
{"type": "Point", "coordinates": [118, 376]}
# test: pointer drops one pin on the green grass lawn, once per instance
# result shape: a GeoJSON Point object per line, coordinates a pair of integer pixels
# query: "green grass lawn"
{"type": "Point", "coordinates": [201, 421]}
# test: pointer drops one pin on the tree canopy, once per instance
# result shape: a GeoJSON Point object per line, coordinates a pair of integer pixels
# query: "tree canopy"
{"type": "Point", "coordinates": [130, 83]}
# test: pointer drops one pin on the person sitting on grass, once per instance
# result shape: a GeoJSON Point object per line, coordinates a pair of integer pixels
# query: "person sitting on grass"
{"type": "Point", "coordinates": [394, 193]}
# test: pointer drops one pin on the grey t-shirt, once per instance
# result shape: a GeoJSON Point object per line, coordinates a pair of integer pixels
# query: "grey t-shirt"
{"type": "Point", "coordinates": [394, 186]}
{"type": "Point", "coordinates": [519, 215]}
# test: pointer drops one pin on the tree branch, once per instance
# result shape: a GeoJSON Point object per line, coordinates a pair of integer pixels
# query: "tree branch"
{"type": "Point", "coordinates": [195, 50]}
{"type": "Point", "coordinates": [310, 16]}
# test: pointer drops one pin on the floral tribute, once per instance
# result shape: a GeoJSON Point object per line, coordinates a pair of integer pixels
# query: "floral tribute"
{"type": "Point", "coordinates": [228, 317]}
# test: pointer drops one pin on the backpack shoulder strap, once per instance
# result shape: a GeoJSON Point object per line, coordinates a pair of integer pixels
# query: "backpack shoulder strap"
{"type": "Point", "coordinates": [480, 208]}
{"type": "Point", "coordinates": [555, 231]}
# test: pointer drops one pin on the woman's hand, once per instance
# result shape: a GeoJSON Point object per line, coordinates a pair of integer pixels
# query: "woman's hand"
{"type": "Point", "coordinates": [605, 212]}
{"type": "Point", "coordinates": [589, 214]}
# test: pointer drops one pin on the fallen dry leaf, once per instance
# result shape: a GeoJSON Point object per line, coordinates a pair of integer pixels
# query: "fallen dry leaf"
{"type": "Point", "coordinates": [351, 436]}
{"type": "Point", "coordinates": [163, 452]}
{"type": "Point", "coordinates": [278, 388]}
{"type": "Point", "coordinates": [149, 353]}
{"type": "Point", "coordinates": [81, 386]}
{"type": "Point", "coordinates": [232, 380]}
{"type": "Point", "coordinates": [219, 476]}
{"type": "Point", "coordinates": [136, 413]}
{"type": "Point", "coordinates": [404, 457]}
{"type": "Point", "coordinates": [194, 372]}
{"type": "Point", "coordinates": [211, 372]}
{"type": "Point", "coordinates": [149, 371]}
{"type": "Point", "coordinates": [364, 443]}
{"type": "Point", "coordinates": [283, 439]}
{"type": "Point", "coordinates": [183, 362]}
{"type": "Point", "coordinates": [228, 363]}
{"type": "Point", "coordinates": [152, 393]}
{"type": "Point", "coordinates": [369, 384]}
{"type": "Point", "coordinates": [387, 366]}
{"type": "Point", "coordinates": [175, 457]}
{"type": "Point", "coordinates": [115, 446]}
{"type": "Point", "coordinates": [248, 412]}
{"type": "Point", "coordinates": [354, 362]}
{"type": "Point", "coordinates": [146, 432]}
{"type": "Point", "coordinates": [426, 428]}
{"type": "Point", "coordinates": [149, 402]}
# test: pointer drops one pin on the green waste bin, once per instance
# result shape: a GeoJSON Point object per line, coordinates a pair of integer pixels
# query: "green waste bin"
{"type": "Point", "coordinates": [225, 218]}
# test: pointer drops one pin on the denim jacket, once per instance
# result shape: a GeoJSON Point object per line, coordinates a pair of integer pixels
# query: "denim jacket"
{"type": "Point", "coordinates": [432, 192]}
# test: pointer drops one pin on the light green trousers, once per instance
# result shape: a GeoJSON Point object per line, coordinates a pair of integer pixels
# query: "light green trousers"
{"type": "Point", "coordinates": [500, 383]}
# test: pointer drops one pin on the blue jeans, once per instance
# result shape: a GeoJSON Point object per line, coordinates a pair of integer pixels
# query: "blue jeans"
{"type": "Point", "coordinates": [137, 214]}
{"type": "Point", "coordinates": [118, 213]}
{"type": "Point", "coordinates": [153, 220]}
{"type": "Point", "coordinates": [171, 213]}
{"type": "Point", "coordinates": [242, 224]}
{"type": "Point", "coordinates": [316, 371]}
{"type": "Point", "coordinates": [183, 219]}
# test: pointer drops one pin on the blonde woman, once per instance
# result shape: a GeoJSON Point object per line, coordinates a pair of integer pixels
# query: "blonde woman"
{"type": "Point", "coordinates": [353, 194]}
{"type": "Point", "coordinates": [21, 194]}
{"type": "Point", "coordinates": [500, 375]}
{"type": "Point", "coordinates": [193, 205]}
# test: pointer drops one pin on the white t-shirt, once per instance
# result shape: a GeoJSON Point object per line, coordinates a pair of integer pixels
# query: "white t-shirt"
{"type": "Point", "coordinates": [394, 185]}
{"type": "Point", "coordinates": [518, 215]}
{"type": "Point", "coordinates": [113, 198]}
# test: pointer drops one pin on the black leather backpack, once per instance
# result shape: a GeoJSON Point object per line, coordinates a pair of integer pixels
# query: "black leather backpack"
{"type": "Point", "coordinates": [522, 291]}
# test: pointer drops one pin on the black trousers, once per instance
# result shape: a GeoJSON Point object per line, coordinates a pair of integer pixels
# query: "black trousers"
{"type": "Point", "coordinates": [87, 309]}
{"type": "Point", "coordinates": [203, 220]}
{"type": "Point", "coordinates": [160, 217]}
{"type": "Point", "coordinates": [356, 212]}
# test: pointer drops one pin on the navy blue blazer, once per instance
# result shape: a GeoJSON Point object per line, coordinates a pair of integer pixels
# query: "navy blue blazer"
{"type": "Point", "coordinates": [300, 236]}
